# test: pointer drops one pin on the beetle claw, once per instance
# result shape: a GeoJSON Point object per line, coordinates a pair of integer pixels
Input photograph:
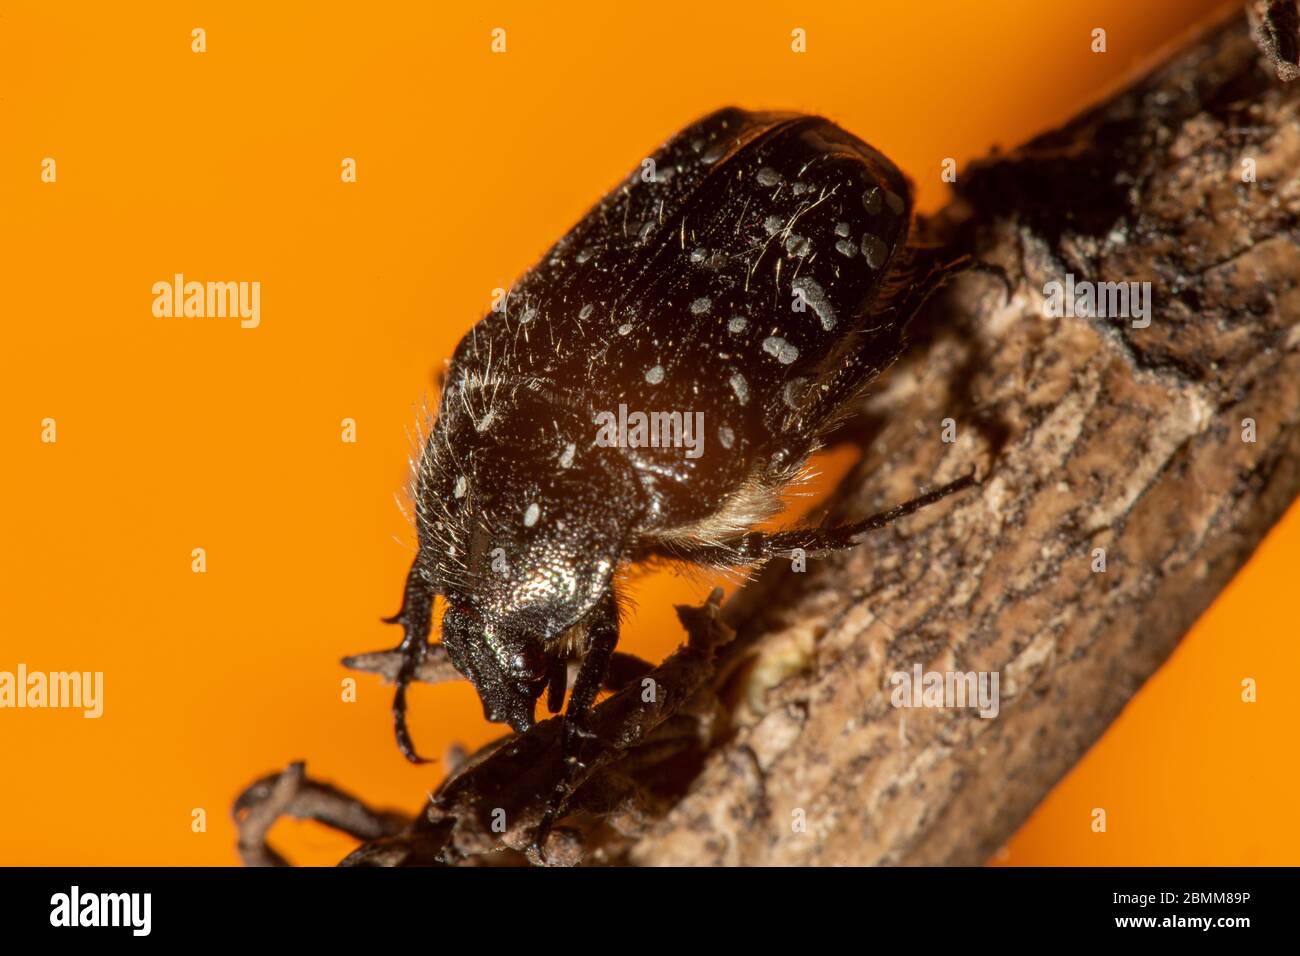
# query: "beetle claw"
{"type": "Point", "coordinates": [400, 729]}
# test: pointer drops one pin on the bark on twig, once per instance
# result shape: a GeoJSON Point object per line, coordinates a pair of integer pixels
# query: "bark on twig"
{"type": "Point", "coordinates": [1276, 27]}
{"type": "Point", "coordinates": [292, 794]}
{"type": "Point", "coordinates": [1088, 434]}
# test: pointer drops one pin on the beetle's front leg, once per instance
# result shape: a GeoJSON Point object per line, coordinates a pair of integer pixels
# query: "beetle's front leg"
{"type": "Point", "coordinates": [602, 637]}
{"type": "Point", "coordinates": [415, 617]}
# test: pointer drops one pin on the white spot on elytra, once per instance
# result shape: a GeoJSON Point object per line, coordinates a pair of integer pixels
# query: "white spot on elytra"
{"type": "Point", "coordinates": [701, 305]}
{"type": "Point", "coordinates": [874, 251]}
{"type": "Point", "coordinates": [845, 248]}
{"type": "Point", "coordinates": [740, 387]}
{"type": "Point", "coordinates": [726, 436]}
{"type": "Point", "coordinates": [461, 486]}
{"type": "Point", "coordinates": [714, 153]}
{"type": "Point", "coordinates": [625, 328]}
{"type": "Point", "coordinates": [655, 375]}
{"type": "Point", "coordinates": [780, 349]}
{"type": "Point", "coordinates": [842, 229]}
{"type": "Point", "coordinates": [586, 311]}
{"type": "Point", "coordinates": [531, 515]}
{"type": "Point", "coordinates": [484, 423]}
{"type": "Point", "coordinates": [797, 245]}
{"type": "Point", "coordinates": [737, 325]}
{"type": "Point", "coordinates": [772, 225]}
{"type": "Point", "coordinates": [767, 176]}
{"type": "Point", "coordinates": [812, 292]}
{"type": "Point", "coordinates": [566, 459]}
{"type": "Point", "coordinates": [794, 391]}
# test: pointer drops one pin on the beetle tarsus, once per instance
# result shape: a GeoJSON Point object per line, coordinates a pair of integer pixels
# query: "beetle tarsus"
{"type": "Point", "coordinates": [410, 661]}
{"type": "Point", "coordinates": [575, 734]}
{"type": "Point", "coordinates": [850, 535]}
{"type": "Point", "coordinates": [572, 736]}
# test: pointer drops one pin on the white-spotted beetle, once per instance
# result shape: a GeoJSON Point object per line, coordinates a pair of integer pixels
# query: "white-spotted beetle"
{"type": "Point", "coordinates": [754, 270]}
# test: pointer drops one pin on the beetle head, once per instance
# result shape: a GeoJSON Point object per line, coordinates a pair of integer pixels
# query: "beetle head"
{"type": "Point", "coordinates": [521, 527]}
{"type": "Point", "coordinates": [507, 666]}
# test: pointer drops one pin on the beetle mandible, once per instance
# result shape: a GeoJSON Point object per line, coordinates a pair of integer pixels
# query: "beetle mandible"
{"type": "Point", "coordinates": [755, 270]}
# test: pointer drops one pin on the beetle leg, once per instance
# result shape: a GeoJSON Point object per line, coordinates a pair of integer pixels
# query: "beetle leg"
{"type": "Point", "coordinates": [415, 618]}
{"type": "Point", "coordinates": [622, 670]}
{"type": "Point", "coordinates": [558, 683]}
{"type": "Point", "coordinates": [756, 546]}
{"type": "Point", "coordinates": [602, 636]}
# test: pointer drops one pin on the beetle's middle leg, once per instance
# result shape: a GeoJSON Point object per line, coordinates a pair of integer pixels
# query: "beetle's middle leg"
{"type": "Point", "coordinates": [755, 546]}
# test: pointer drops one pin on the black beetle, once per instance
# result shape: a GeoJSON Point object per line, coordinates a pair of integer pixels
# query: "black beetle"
{"type": "Point", "coordinates": [750, 278]}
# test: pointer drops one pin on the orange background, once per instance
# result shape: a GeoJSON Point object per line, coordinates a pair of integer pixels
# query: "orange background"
{"type": "Point", "coordinates": [183, 433]}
